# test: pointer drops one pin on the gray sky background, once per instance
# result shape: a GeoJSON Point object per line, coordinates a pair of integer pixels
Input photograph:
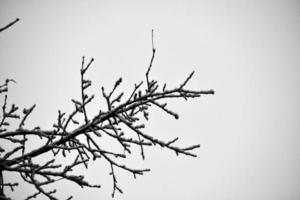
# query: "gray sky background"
{"type": "Point", "coordinates": [247, 51]}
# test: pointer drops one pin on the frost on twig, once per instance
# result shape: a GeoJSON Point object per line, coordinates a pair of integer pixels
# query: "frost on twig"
{"type": "Point", "coordinates": [72, 136]}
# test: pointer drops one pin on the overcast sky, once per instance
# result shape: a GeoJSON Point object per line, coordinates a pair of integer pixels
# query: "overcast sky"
{"type": "Point", "coordinates": [247, 51]}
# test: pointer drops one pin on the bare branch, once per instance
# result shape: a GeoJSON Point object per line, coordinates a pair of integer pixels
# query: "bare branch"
{"type": "Point", "coordinates": [77, 133]}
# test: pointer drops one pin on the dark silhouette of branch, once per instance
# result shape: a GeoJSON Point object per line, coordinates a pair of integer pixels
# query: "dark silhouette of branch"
{"type": "Point", "coordinates": [77, 134]}
{"type": "Point", "coordinates": [9, 25]}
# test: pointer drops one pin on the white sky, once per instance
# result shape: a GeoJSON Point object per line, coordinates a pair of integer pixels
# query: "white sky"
{"type": "Point", "coordinates": [247, 51]}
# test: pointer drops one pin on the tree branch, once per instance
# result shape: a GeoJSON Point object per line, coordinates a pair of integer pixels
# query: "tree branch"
{"type": "Point", "coordinates": [72, 136]}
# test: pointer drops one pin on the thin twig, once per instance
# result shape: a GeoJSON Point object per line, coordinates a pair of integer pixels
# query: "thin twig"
{"type": "Point", "coordinates": [9, 25]}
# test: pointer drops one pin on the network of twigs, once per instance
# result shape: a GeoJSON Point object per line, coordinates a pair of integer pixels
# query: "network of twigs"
{"type": "Point", "coordinates": [121, 112]}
